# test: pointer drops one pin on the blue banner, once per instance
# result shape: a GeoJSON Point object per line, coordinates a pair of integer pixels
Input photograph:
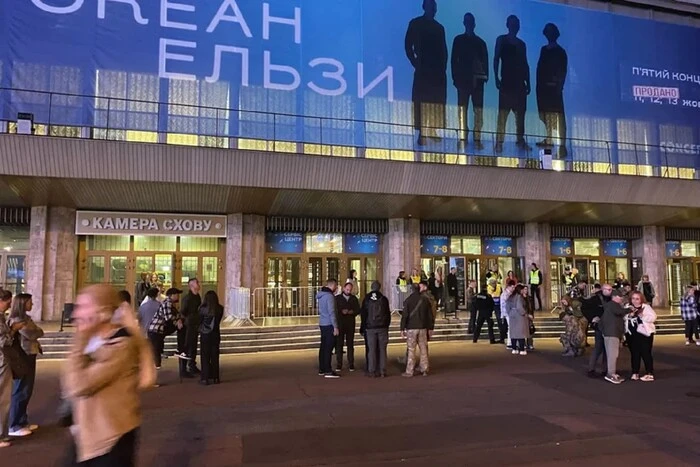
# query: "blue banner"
{"type": "Point", "coordinates": [362, 244]}
{"type": "Point", "coordinates": [673, 249]}
{"type": "Point", "coordinates": [435, 245]}
{"type": "Point", "coordinates": [316, 70]}
{"type": "Point", "coordinates": [284, 242]}
{"type": "Point", "coordinates": [616, 248]}
{"type": "Point", "coordinates": [499, 246]}
{"type": "Point", "coordinates": [561, 247]}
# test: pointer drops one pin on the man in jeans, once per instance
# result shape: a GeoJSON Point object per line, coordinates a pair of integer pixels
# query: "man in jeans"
{"type": "Point", "coordinates": [417, 324]}
{"type": "Point", "coordinates": [613, 323]}
{"type": "Point", "coordinates": [376, 318]}
{"type": "Point", "coordinates": [328, 324]}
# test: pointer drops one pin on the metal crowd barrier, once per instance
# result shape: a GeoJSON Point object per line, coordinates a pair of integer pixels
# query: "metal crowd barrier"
{"type": "Point", "coordinates": [285, 302]}
{"type": "Point", "coordinates": [399, 295]}
{"type": "Point", "coordinates": [237, 312]}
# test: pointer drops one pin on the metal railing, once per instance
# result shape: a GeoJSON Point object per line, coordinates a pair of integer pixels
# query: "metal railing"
{"type": "Point", "coordinates": [284, 302]}
{"type": "Point", "coordinates": [115, 118]}
{"type": "Point", "coordinates": [237, 311]}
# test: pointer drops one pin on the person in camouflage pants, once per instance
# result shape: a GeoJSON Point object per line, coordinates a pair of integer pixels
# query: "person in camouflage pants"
{"type": "Point", "coordinates": [573, 339]}
{"type": "Point", "coordinates": [417, 324]}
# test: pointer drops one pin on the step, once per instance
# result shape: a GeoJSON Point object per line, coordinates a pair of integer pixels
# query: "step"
{"type": "Point", "coordinates": [275, 338]}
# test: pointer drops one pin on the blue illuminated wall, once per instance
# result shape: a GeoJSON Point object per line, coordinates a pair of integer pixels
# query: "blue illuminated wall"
{"type": "Point", "coordinates": [628, 79]}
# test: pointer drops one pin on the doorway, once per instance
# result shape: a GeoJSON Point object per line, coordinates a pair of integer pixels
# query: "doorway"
{"type": "Point", "coordinates": [680, 274]}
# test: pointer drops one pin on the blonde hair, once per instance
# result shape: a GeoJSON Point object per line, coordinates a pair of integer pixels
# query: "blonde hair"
{"type": "Point", "coordinates": [106, 299]}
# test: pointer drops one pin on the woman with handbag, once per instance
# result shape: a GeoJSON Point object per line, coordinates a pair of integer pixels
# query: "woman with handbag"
{"type": "Point", "coordinates": [6, 333]}
{"type": "Point", "coordinates": [640, 328]}
{"type": "Point", "coordinates": [210, 314]}
{"type": "Point", "coordinates": [29, 347]}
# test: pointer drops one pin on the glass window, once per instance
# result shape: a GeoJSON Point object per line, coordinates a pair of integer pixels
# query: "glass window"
{"type": "Point", "coordinates": [189, 244]}
{"type": "Point", "coordinates": [689, 249]}
{"type": "Point", "coordinates": [587, 247]}
{"type": "Point", "coordinates": [190, 265]}
{"type": "Point", "coordinates": [95, 270]}
{"type": "Point", "coordinates": [324, 243]}
{"type": "Point", "coordinates": [14, 238]}
{"type": "Point", "coordinates": [107, 243]}
{"type": "Point", "coordinates": [154, 243]}
{"type": "Point", "coordinates": [466, 245]}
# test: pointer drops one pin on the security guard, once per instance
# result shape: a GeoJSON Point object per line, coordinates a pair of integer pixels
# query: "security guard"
{"type": "Point", "coordinates": [484, 306]}
{"type": "Point", "coordinates": [535, 282]}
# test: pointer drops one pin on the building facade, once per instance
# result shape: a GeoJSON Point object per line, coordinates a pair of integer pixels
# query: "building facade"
{"type": "Point", "coordinates": [260, 146]}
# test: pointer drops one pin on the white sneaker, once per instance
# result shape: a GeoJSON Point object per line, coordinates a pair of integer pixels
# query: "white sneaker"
{"type": "Point", "coordinates": [515, 352]}
{"type": "Point", "coordinates": [523, 352]}
{"type": "Point", "coordinates": [697, 343]}
{"type": "Point", "coordinates": [635, 377]}
{"type": "Point", "coordinates": [22, 432]}
{"type": "Point", "coordinates": [687, 342]}
{"type": "Point", "coordinates": [647, 378]}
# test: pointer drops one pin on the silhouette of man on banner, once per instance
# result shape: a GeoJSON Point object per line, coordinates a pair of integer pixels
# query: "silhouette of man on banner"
{"type": "Point", "coordinates": [513, 82]}
{"type": "Point", "coordinates": [426, 49]}
{"type": "Point", "coordinates": [470, 72]}
{"type": "Point", "coordinates": [552, 68]}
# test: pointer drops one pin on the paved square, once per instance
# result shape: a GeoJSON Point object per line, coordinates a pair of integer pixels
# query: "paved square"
{"type": "Point", "coordinates": [481, 406]}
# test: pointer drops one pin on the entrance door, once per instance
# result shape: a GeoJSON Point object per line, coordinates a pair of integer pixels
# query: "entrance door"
{"type": "Point", "coordinates": [615, 266]}
{"type": "Point", "coordinates": [680, 274]}
{"type": "Point", "coordinates": [366, 272]}
{"type": "Point", "coordinates": [106, 269]}
{"type": "Point", "coordinates": [158, 265]}
{"type": "Point", "coordinates": [283, 282]}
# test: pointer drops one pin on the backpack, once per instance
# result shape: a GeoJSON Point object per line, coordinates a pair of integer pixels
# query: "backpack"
{"type": "Point", "coordinates": [375, 313]}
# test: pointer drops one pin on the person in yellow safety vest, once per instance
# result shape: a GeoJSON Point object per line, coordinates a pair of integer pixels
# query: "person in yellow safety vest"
{"type": "Point", "coordinates": [416, 277]}
{"type": "Point", "coordinates": [535, 282]}
{"type": "Point", "coordinates": [402, 281]}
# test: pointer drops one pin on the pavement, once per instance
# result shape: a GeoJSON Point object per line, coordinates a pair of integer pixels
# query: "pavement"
{"type": "Point", "coordinates": [479, 406]}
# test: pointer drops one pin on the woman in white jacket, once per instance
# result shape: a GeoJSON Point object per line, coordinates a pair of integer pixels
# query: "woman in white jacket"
{"type": "Point", "coordinates": [640, 330]}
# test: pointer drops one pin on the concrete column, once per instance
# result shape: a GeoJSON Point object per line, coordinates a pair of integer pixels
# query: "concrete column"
{"type": "Point", "coordinates": [253, 264]}
{"type": "Point", "coordinates": [651, 248]}
{"type": "Point", "coordinates": [412, 245]}
{"type": "Point", "coordinates": [401, 251]}
{"type": "Point", "coordinates": [534, 247]}
{"type": "Point", "coordinates": [234, 250]}
{"type": "Point", "coordinates": [245, 251]}
{"type": "Point", "coordinates": [52, 260]}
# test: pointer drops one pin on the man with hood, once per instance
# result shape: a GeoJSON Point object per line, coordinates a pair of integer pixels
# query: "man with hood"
{"type": "Point", "coordinates": [328, 324]}
{"type": "Point", "coordinates": [376, 319]}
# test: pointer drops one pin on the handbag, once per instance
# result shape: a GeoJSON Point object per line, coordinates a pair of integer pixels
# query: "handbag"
{"type": "Point", "coordinates": [533, 329]}
{"type": "Point", "coordinates": [16, 359]}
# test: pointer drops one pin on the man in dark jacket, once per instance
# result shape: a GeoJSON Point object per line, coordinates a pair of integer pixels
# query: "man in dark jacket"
{"type": "Point", "coordinates": [453, 284]}
{"type": "Point", "coordinates": [483, 307]}
{"type": "Point", "coordinates": [348, 307]}
{"type": "Point", "coordinates": [592, 309]}
{"type": "Point", "coordinates": [375, 322]}
{"type": "Point", "coordinates": [417, 324]}
{"type": "Point", "coordinates": [187, 335]}
{"type": "Point", "coordinates": [613, 324]}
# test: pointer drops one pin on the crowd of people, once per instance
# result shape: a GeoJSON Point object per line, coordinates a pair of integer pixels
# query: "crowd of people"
{"type": "Point", "coordinates": [337, 322]}
{"type": "Point", "coordinates": [116, 354]}
{"type": "Point", "coordinates": [118, 348]}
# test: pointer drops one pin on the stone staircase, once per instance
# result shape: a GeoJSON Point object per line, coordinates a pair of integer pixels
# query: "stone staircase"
{"type": "Point", "coordinates": [276, 338]}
